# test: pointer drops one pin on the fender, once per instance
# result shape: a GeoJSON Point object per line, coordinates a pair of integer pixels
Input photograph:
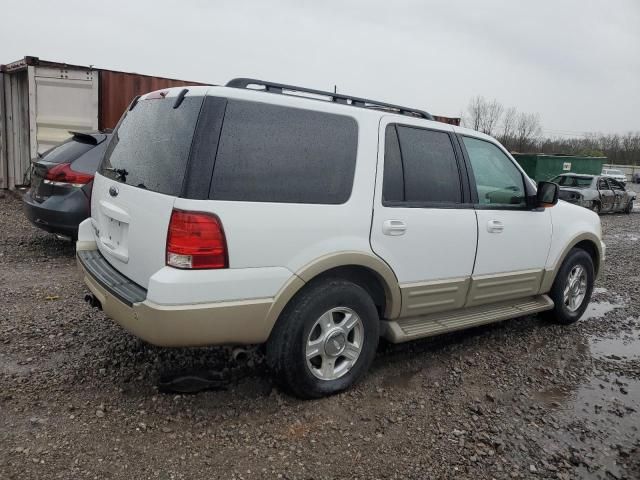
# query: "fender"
{"type": "Point", "coordinates": [550, 273]}
{"type": "Point", "coordinates": [340, 259]}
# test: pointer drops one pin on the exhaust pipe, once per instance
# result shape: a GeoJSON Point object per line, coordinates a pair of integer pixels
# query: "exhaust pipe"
{"type": "Point", "coordinates": [93, 301]}
{"type": "Point", "coordinates": [239, 354]}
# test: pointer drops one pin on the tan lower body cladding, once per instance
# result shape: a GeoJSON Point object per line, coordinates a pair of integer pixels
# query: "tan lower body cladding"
{"type": "Point", "coordinates": [410, 328]}
{"type": "Point", "coordinates": [436, 307]}
{"type": "Point", "coordinates": [443, 295]}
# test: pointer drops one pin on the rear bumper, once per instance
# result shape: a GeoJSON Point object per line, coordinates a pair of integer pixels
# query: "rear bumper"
{"type": "Point", "coordinates": [221, 323]}
{"type": "Point", "coordinates": [58, 214]}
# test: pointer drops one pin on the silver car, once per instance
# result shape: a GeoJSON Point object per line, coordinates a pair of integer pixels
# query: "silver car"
{"type": "Point", "coordinates": [596, 192]}
{"type": "Point", "coordinates": [615, 174]}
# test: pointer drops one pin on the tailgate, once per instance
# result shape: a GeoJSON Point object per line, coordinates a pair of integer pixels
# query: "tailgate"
{"type": "Point", "coordinates": [131, 227]}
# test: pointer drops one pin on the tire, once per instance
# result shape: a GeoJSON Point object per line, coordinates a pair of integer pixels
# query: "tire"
{"type": "Point", "coordinates": [596, 207]}
{"type": "Point", "coordinates": [566, 312]}
{"type": "Point", "coordinates": [314, 320]}
{"type": "Point", "coordinates": [629, 207]}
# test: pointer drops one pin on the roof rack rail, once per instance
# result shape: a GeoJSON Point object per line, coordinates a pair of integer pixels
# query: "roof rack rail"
{"type": "Point", "coordinates": [280, 88]}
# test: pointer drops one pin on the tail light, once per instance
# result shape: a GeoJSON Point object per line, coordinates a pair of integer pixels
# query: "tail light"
{"type": "Point", "coordinates": [64, 176]}
{"type": "Point", "coordinates": [196, 240]}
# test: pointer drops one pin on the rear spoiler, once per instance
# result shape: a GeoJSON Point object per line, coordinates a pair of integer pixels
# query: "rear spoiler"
{"type": "Point", "coordinates": [90, 137]}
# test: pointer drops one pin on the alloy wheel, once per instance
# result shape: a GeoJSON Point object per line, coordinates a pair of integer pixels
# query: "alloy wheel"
{"type": "Point", "coordinates": [334, 343]}
{"type": "Point", "coordinates": [575, 288]}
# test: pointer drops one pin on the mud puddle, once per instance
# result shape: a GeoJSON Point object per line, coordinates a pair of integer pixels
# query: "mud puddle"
{"type": "Point", "coordinates": [600, 309]}
{"type": "Point", "coordinates": [626, 346]}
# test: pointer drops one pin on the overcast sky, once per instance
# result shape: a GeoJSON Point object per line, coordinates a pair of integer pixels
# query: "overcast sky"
{"type": "Point", "coordinates": [575, 62]}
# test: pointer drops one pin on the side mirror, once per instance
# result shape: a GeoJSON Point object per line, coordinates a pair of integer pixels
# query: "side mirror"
{"type": "Point", "coordinates": [547, 195]}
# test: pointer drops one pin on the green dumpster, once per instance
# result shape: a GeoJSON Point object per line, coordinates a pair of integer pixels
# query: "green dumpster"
{"type": "Point", "coordinates": [544, 167]}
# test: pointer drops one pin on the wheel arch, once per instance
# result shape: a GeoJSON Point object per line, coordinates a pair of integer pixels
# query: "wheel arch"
{"type": "Point", "coordinates": [588, 242]}
{"type": "Point", "coordinates": [367, 270]}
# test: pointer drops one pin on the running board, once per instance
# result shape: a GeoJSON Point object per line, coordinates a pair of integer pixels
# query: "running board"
{"type": "Point", "coordinates": [405, 329]}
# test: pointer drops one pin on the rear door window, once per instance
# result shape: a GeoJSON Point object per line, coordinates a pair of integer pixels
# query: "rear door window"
{"type": "Point", "coordinates": [271, 153]}
{"type": "Point", "coordinates": [615, 185]}
{"type": "Point", "coordinates": [150, 147]}
{"type": "Point", "coordinates": [420, 167]}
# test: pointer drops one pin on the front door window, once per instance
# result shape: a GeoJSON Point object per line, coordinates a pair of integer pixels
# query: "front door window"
{"type": "Point", "coordinates": [498, 180]}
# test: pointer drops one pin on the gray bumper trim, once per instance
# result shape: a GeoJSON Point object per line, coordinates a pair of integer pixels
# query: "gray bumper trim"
{"type": "Point", "coordinates": [112, 280]}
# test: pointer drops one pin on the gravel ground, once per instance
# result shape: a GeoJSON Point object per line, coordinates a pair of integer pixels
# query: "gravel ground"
{"type": "Point", "coordinates": [520, 399]}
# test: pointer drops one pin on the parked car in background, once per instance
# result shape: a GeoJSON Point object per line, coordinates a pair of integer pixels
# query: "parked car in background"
{"type": "Point", "coordinates": [615, 174]}
{"type": "Point", "coordinates": [596, 192]}
{"type": "Point", "coordinates": [61, 181]}
{"type": "Point", "coordinates": [635, 178]}
{"type": "Point", "coordinates": [228, 215]}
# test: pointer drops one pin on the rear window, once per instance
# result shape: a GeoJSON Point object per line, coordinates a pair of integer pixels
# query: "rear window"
{"type": "Point", "coordinates": [67, 151]}
{"type": "Point", "coordinates": [568, 181]}
{"type": "Point", "coordinates": [150, 147]}
{"type": "Point", "coordinates": [90, 161]}
{"type": "Point", "coordinates": [270, 153]}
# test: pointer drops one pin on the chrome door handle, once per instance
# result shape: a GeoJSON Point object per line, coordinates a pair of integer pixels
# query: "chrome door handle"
{"type": "Point", "coordinates": [495, 226]}
{"type": "Point", "coordinates": [394, 227]}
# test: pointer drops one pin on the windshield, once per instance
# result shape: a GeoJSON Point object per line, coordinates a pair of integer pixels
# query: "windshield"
{"type": "Point", "coordinates": [571, 181]}
{"type": "Point", "coordinates": [150, 147]}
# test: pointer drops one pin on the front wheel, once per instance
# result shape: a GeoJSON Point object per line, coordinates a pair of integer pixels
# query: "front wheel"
{"type": "Point", "coordinates": [595, 206]}
{"type": "Point", "coordinates": [572, 288]}
{"type": "Point", "coordinates": [325, 340]}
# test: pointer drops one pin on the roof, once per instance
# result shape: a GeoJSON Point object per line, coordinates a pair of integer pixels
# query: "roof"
{"type": "Point", "coordinates": [580, 175]}
{"type": "Point", "coordinates": [568, 156]}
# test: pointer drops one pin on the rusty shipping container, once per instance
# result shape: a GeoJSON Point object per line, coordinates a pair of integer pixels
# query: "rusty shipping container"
{"type": "Point", "coordinates": [117, 89]}
{"type": "Point", "coordinates": [41, 101]}
{"type": "Point", "coordinates": [449, 120]}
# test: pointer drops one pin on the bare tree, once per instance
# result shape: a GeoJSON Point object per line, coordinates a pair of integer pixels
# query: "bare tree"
{"type": "Point", "coordinates": [527, 130]}
{"type": "Point", "coordinates": [483, 115]}
{"type": "Point", "coordinates": [621, 149]}
{"type": "Point", "coordinates": [476, 111]}
{"type": "Point", "coordinates": [521, 131]}
{"type": "Point", "coordinates": [509, 121]}
{"type": "Point", "coordinates": [492, 114]}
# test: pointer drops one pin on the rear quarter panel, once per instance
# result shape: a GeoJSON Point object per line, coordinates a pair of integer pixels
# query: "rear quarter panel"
{"type": "Point", "coordinates": [264, 234]}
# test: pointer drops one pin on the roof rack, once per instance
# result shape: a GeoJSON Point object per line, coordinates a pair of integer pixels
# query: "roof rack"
{"type": "Point", "coordinates": [280, 88]}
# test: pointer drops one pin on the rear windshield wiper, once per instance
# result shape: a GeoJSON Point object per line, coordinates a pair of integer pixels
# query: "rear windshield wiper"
{"type": "Point", "coordinates": [120, 172]}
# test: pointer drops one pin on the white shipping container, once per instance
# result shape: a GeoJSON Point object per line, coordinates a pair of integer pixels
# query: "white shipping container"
{"type": "Point", "coordinates": [41, 105]}
{"type": "Point", "coordinates": [4, 181]}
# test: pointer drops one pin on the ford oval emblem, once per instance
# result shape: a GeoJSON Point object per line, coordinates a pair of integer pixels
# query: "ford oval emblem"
{"type": "Point", "coordinates": [113, 191]}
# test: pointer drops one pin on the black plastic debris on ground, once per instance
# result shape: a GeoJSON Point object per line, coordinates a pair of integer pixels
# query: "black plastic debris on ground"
{"type": "Point", "coordinates": [193, 381]}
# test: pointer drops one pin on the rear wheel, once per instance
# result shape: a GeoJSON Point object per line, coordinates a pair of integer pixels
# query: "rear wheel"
{"type": "Point", "coordinates": [325, 340]}
{"type": "Point", "coordinates": [572, 288]}
{"type": "Point", "coordinates": [629, 207]}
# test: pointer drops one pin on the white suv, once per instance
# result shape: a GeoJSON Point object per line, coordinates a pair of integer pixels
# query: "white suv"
{"type": "Point", "coordinates": [317, 223]}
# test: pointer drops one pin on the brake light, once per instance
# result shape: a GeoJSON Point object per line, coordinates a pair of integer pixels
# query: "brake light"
{"type": "Point", "coordinates": [63, 175]}
{"type": "Point", "coordinates": [196, 240]}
